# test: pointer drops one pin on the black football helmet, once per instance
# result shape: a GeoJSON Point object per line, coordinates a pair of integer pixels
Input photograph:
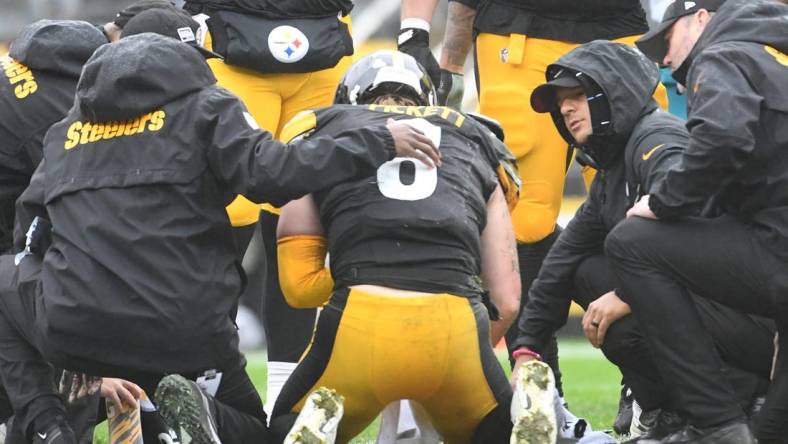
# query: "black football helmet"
{"type": "Point", "coordinates": [382, 73]}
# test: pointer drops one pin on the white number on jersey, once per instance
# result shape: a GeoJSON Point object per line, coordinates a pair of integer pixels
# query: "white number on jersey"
{"type": "Point", "coordinates": [425, 179]}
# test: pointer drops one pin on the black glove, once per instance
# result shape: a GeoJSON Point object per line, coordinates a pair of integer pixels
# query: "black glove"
{"type": "Point", "coordinates": [74, 385]}
{"type": "Point", "coordinates": [416, 43]}
{"type": "Point", "coordinates": [451, 89]}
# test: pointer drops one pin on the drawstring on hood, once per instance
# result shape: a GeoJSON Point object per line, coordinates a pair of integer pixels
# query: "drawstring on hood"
{"type": "Point", "coordinates": [57, 46]}
{"type": "Point", "coordinates": [619, 82]}
{"type": "Point", "coordinates": [139, 74]}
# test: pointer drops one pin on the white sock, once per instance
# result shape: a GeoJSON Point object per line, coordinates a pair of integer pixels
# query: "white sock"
{"type": "Point", "coordinates": [389, 418]}
{"type": "Point", "coordinates": [278, 372]}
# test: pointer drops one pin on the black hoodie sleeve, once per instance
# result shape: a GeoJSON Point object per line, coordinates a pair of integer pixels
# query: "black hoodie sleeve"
{"type": "Point", "coordinates": [251, 163]}
{"type": "Point", "coordinates": [550, 294]}
{"type": "Point", "coordinates": [653, 158]}
{"type": "Point", "coordinates": [724, 116]}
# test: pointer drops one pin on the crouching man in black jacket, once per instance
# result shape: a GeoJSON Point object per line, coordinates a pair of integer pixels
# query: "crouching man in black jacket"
{"type": "Point", "coordinates": [599, 95]}
{"type": "Point", "coordinates": [139, 281]}
{"type": "Point", "coordinates": [735, 67]}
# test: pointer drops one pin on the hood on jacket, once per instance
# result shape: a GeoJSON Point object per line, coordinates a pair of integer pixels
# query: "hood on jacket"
{"type": "Point", "coordinates": [139, 74]}
{"type": "Point", "coordinates": [758, 21]}
{"type": "Point", "coordinates": [59, 46]}
{"type": "Point", "coordinates": [627, 80]}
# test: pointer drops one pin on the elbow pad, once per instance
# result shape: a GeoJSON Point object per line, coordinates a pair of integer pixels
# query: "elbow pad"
{"type": "Point", "coordinates": [303, 276]}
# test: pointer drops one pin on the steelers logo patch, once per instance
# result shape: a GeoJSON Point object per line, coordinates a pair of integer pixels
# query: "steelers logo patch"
{"type": "Point", "coordinates": [287, 44]}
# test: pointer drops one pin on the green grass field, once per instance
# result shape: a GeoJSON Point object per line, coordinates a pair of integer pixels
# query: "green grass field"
{"type": "Point", "coordinates": [591, 386]}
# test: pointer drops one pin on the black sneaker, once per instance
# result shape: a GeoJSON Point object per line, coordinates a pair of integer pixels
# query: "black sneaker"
{"type": "Point", "coordinates": [664, 423]}
{"type": "Point", "coordinates": [643, 422]}
{"type": "Point", "coordinates": [188, 410]}
{"type": "Point", "coordinates": [624, 416]}
{"type": "Point", "coordinates": [58, 433]}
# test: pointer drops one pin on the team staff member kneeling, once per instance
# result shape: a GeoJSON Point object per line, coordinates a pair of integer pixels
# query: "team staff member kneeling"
{"type": "Point", "coordinates": [734, 63]}
{"type": "Point", "coordinates": [138, 282]}
{"type": "Point", "coordinates": [600, 98]}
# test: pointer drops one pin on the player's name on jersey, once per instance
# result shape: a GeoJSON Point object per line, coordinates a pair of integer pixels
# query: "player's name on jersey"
{"type": "Point", "coordinates": [422, 111]}
{"type": "Point", "coordinates": [20, 76]}
{"type": "Point", "coordinates": [81, 133]}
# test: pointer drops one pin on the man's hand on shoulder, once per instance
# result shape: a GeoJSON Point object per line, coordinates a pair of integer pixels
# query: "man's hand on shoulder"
{"type": "Point", "coordinates": [410, 142]}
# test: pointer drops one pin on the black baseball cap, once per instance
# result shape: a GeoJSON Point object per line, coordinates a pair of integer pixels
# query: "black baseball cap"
{"type": "Point", "coordinates": [543, 99]}
{"type": "Point", "coordinates": [172, 23]}
{"type": "Point", "coordinates": [128, 13]}
{"type": "Point", "coordinates": [653, 44]}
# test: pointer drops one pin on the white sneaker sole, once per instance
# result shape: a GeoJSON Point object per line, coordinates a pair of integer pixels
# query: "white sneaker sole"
{"type": "Point", "coordinates": [533, 412]}
{"type": "Point", "coordinates": [319, 419]}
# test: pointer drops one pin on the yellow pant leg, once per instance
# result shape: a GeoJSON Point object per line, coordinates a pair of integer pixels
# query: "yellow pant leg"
{"type": "Point", "coordinates": [311, 90]}
{"type": "Point", "coordinates": [510, 68]}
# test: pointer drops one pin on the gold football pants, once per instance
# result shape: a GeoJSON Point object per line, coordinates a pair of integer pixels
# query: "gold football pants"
{"type": "Point", "coordinates": [374, 349]}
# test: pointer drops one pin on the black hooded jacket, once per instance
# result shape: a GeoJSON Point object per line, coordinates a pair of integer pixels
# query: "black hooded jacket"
{"type": "Point", "coordinates": [142, 272]}
{"type": "Point", "coordinates": [39, 77]}
{"type": "Point", "coordinates": [738, 123]}
{"type": "Point", "coordinates": [649, 142]}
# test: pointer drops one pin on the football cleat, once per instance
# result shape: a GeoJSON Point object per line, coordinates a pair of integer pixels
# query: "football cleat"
{"type": "Point", "coordinates": [318, 421]}
{"type": "Point", "coordinates": [642, 420]}
{"type": "Point", "coordinates": [186, 408]}
{"type": "Point", "coordinates": [533, 411]}
{"type": "Point", "coordinates": [661, 423]}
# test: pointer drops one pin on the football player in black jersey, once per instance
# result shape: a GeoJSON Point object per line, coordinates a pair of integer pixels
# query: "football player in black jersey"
{"type": "Point", "coordinates": [417, 254]}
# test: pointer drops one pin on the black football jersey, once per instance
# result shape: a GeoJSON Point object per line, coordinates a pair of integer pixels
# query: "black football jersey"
{"type": "Point", "coordinates": [409, 226]}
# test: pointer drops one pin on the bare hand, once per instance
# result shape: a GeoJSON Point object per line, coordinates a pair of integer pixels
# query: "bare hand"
{"type": "Point", "coordinates": [517, 364]}
{"type": "Point", "coordinates": [601, 314]}
{"type": "Point", "coordinates": [642, 209]}
{"type": "Point", "coordinates": [120, 392]}
{"type": "Point", "coordinates": [410, 142]}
